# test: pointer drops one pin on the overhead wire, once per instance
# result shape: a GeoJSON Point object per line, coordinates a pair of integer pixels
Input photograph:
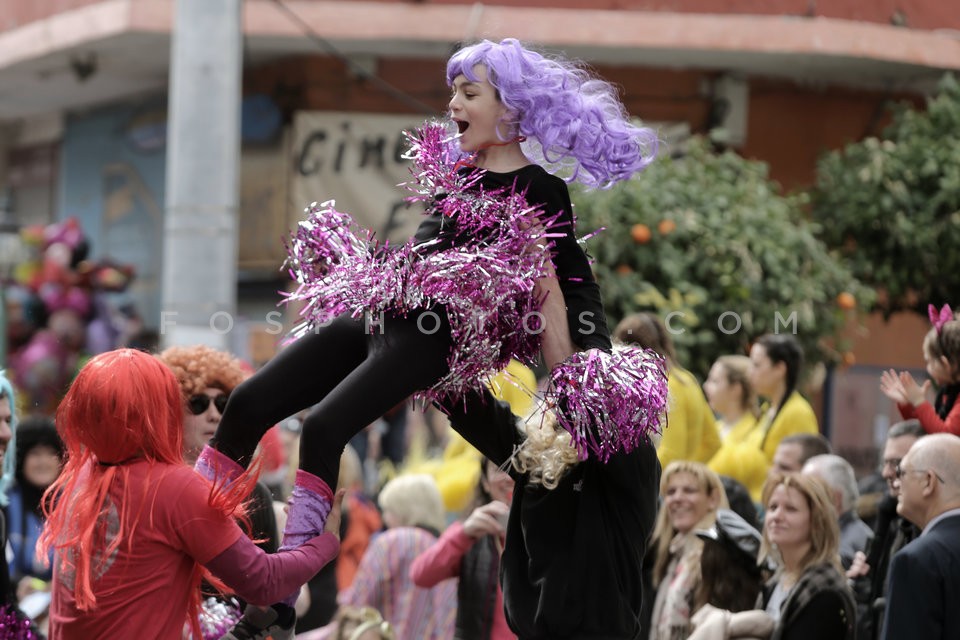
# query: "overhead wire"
{"type": "Point", "coordinates": [356, 68]}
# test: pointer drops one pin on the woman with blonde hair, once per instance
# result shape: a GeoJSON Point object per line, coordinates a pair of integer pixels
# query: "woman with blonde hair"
{"type": "Point", "coordinates": [691, 495]}
{"type": "Point", "coordinates": [808, 596]}
{"type": "Point", "coordinates": [732, 397]}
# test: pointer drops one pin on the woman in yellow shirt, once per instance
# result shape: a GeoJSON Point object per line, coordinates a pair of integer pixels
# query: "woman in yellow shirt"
{"type": "Point", "coordinates": [775, 364]}
{"type": "Point", "coordinates": [731, 396]}
{"type": "Point", "coordinates": [691, 432]}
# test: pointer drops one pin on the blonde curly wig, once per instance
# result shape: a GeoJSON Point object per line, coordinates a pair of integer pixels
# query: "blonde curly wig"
{"type": "Point", "coordinates": [547, 453]}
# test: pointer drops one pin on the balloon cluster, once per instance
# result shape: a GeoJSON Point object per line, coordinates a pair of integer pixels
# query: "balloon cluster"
{"type": "Point", "coordinates": [55, 311]}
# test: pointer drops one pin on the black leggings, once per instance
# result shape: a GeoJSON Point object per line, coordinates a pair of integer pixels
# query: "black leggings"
{"type": "Point", "coordinates": [352, 376]}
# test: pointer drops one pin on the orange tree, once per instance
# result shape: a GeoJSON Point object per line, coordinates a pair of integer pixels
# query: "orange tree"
{"type": "Point", "coordinates": [709, 238]}
{"type": "Point", "coordinates": [891, 205]}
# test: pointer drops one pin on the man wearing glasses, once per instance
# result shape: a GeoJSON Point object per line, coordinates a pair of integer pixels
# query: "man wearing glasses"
{"type": "Point", "coordinates": [924, 576]}
{"type": "Point", "coordinates": [891, 533]}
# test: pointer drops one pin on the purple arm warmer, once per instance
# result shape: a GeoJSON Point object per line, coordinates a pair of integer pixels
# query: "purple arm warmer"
{"type": "Point", "coordinates": [262, 578]}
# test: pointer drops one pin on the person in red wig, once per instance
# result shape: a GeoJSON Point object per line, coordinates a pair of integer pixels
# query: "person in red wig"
{"type": "Point", "coordinates": [134, 529]}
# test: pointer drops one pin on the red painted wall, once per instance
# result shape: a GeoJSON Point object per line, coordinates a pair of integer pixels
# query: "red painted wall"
{"type": "Point", "coordinates": [916, 14]}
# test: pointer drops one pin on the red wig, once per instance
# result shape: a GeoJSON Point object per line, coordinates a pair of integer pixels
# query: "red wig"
{"type": "Point", "coordinates": [123, 406]}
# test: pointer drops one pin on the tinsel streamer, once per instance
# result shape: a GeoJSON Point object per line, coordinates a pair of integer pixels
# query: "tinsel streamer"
{"type": "Point", "coordinates": [14, 625]}
{"type": "Point", "coordinates": [609, 401]}
{"type": "Point", "coordinates": [217, 617]}
{"type": "Point", "coordinates": [485, 282]}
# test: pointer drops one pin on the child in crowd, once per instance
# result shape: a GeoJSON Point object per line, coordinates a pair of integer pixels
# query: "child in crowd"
{"type": "Point", "coordinates": [470, 552]}
{"type": "Point", "coordinates": [39, 459]}
{"type": "Point", "coordinates": [941, 351]}
{"type": "Point", "coordinates": [731, 582]}
{"type": "Point", "coordinates": [567, 119]}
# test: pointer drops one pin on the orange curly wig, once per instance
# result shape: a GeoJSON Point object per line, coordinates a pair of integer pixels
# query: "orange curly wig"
{"type": "Point", "coordinates": [200, 367]}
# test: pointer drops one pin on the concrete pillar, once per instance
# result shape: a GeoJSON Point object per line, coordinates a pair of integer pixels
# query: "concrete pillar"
{"type": "Point", "coordinates": [199, 297]}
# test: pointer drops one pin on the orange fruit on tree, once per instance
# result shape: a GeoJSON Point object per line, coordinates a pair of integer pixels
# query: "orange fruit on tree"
{"type": "Point", "coordinates": [666, 226]}
{"type": "Point", "coordinates": [846, 301]}
{"type": "Point", "coordinates": [640, 233]}
{"type": "Point", "coordinates": [624, 269]}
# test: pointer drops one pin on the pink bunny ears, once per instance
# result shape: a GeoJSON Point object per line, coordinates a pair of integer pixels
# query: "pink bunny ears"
{"type": "Point", "coordinates": [938, 319]}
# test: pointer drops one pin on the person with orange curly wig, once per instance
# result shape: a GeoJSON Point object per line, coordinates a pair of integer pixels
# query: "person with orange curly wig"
{"type": "Point", "coordinates": [206, 377]}
{"type": "Point", "coordinates": [134, 529]}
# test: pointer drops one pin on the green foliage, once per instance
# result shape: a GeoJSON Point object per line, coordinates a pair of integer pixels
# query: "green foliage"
{"type": "Point", "coordinates": [892, 206]}
{"type": "Point", "coordinates": [738, 247]}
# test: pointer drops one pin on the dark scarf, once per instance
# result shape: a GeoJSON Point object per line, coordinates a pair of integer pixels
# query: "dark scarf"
{"type": "Point", "coordinates": [477, 590]}
{"type": "Point", "coordinates": [946, 397]}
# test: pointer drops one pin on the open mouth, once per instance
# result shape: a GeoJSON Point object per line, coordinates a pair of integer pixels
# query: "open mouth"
{"type": "Point", "coordinates": [462, 126]}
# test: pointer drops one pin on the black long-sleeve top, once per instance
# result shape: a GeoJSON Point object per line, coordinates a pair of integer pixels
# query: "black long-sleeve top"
{"type": "Point", "coordinates": [585, 315]}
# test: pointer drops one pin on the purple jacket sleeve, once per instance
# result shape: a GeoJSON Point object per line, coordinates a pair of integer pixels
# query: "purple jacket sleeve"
{"type": "Point", "coordinates": [264, 578]}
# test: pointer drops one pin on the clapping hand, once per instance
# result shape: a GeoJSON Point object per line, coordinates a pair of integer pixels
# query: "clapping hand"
{"type": "Point", "coordinates": [902, 388]}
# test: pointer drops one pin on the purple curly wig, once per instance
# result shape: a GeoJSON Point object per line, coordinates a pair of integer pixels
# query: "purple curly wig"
{"type": "Point", "coordinates": [576, 118]}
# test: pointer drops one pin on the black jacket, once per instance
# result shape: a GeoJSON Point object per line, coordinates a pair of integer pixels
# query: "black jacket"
{"type": "Point", "coordinates": [925, 586]}
{"type": "Point", "coordinates": [572, 562]}
{"type": "Point", "coordinates": [585, 315]}
{"type": "Point", "coordinates": [891, 533]}
{"type": "Point", "coordinates": [820, 606]}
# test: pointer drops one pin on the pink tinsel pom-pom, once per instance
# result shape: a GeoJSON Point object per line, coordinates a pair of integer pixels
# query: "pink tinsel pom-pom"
{"type": "Point", "coordinates": [15, 626]}
{"type": "Point", "coordinates": [609, 402]}
{"type": "Point", "coordinates": [485, 281]}
{"type": "Point", "coordinates": [217, 617]}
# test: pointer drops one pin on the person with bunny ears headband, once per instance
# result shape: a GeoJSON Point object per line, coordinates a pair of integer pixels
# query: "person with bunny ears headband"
{"type": "Point", "coordinates": [941, 352]}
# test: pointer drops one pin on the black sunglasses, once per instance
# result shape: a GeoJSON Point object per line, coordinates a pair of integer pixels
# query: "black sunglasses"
{"type": "Point", "coordinates": [201, 402]}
